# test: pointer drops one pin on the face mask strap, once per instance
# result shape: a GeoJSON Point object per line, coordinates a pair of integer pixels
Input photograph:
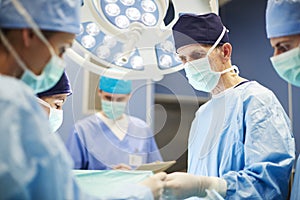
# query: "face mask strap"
{"type": "Point", "coordinates": [218, 40]}
{"type": "Point", "coordinates": [44, 103]}
{"type": "Point", "coordinates": [12, 51]}
{"type": "Point", "coordinates": [22, 11]}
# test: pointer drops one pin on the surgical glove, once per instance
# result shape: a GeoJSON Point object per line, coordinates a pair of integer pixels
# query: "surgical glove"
{"type": "Point", "coordinates": [179, 185]}
{"type": "Point", "coordinates": [156, 184]}
{"type": "Point", "coordinates": [121, 166]}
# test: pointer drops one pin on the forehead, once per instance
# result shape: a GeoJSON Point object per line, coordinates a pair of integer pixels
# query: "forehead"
{"type": "Point", "coordinates": [106, 94]}
{"type": "Point", "coordinates": [55, 97]}
{"type": "Point", "coordinates": [285, 39]}
{"type": "Point", "coordinates": [186, 50]}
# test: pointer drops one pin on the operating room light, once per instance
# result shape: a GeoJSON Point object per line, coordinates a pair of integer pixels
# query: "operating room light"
{"type": "Point", "coordinates": [165, 61]}
{"type": "Point", "coordinates": [122, 21]}
{"type": "Point", "coordinates": [92, 29]}
{"type": "Point", "coordinates": [137, 62]}
{"type": "Point", "coordinates": [133, 13]}
{"type": "Point", "coordinates": [148, 6]}
{"type": "Point", "coordinates": [128, 2]}
{"type": "Point", "coordinates": [112, 9]}
{"type": "Point", "coordinates": [127, 34]}
{"type": "Point", "coordinates": [88, 41]}
{"type": "Point", "coordinates": [148, 19]}
{"type": "Point", "coordinates": [103, 52]}
{"type": "Point", "coordinates": [109, 41]}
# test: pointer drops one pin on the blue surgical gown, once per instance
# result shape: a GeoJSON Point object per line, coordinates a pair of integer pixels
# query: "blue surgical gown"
{"type": "Point", "coordinates": [243, 135]}
{"type": "Point", "coordinates": [295, 195]}
{"type": "Point", "coordinates": [93, 145]}
{"type": "Point", "coordinates": [33, 163]}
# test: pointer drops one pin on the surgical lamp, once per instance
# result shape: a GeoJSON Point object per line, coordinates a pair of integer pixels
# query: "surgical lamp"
{"type": "Point", "coordinates": [131, 35]}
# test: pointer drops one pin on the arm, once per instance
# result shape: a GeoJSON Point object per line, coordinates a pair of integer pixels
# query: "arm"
{"type": "Point", "coordinates": [268, 151]}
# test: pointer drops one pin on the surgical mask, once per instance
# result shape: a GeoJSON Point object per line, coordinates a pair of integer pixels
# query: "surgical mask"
{"type": "Point", "coordinates": [287, 65]}
{"type": "Point", "coordinates": [55, 116]}
{"type": "Point", "coordinates": [201, 77]}
{"type": "Point", "coordinates": [113, 110]}
{"type": "Point", "coordinates": [53, 70]}
{"type": "Point", "coordinates": [199, 72]}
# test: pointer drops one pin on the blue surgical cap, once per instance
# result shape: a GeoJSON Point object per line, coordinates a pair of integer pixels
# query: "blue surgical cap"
{"type": "Point", "coordinates": [51, 15]}
{"type": "Point", "coordinates": [282, 18]}
{"type": "Point", "coordinates": [62, 87]}
{"type": "Point", "coordinates": [114, 86]}
{"type": "Point", "coordinates": [193, 29]}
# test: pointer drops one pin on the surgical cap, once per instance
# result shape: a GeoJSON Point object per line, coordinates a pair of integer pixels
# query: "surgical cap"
{"type": "Point", "coordinates": [193, 29]}
{"type": "Point", "coordinates": [282, 18]}
{"type": "Point", "coordinates": [62, 87]}
{"type": "Point", "coordinates": [51, 15]}
{"type": "Point", "coordinates": [114, 86]}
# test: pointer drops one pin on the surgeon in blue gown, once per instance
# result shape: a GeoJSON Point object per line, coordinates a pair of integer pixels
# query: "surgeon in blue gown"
{"type": "Point", "coordinates": [240, 144]}
{"type": "Point", "coordinates": [33, 163]}
{"type": "Point", "coordinates": [283, 30]}
{"type": "Point", "coordinates": [111, 139]}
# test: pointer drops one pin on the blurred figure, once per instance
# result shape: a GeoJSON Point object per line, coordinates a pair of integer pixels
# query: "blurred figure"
{"type": "Point", "coordinates": [240, 140]}
{"type": "Point", "coordinates": [35, 164]}
{"type": "Point", "coordinates": [283, 30]}
{"type": "Point", "coordinates": [110, 139]}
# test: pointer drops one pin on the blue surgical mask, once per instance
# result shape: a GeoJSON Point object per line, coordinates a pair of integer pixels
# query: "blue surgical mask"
{"type": "Point", "coordinates": [287, 65]}
{"type": "Point", "coordinates": [55, 116]}
{"type": "Point", "coordinates": [113, 110]}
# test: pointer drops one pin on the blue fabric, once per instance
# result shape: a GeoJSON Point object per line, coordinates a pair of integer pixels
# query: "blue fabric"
{"type": "Point", "coordinates": [112, 182]}
{"type": "Point", "coordinates": [295, 195]}
{"type": "Point", "coordinates": [243, 135]}
{"type": "Point", "coordinates": [35, 164]}
{"type": "Point", "coordinates": [53, 15]}
{"type": "Point", "coordinates": [94, 146]}
{"type": "Point", "coordinates": [282, 18]}
{"type": "Point", "coordinates": [115, 86]}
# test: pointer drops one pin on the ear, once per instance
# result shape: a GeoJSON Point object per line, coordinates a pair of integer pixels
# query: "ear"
{"type": "Point", "coordinates": [226, 51]}
{"type": "Point", "coordinates": [27, 36]}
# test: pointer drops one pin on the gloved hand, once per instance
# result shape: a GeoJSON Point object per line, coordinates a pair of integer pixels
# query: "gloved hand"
{"type": "Point", "coordinates": [121, 166]}
{"type": "Point", "coordinates": [156, 184]}
{"type": "Point", "coordinates": [179, 185]}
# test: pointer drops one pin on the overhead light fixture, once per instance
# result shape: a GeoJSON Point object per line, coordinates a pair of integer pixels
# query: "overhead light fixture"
{"type": "Point", "coordinates": [127, 34]}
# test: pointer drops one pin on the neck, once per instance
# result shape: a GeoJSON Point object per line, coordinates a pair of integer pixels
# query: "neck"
{"type": "Point", "coordinates": [226, 81]}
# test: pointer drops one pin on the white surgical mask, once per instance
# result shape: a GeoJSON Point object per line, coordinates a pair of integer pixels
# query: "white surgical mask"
{"type": "Point", "coordinates": [53, 70]}
{"type": "Point", "coordinates": [287, 65]}
{"type": "Point", "coordinates": [199, 72]}
{"type": "Point", "coordinates": [113, 110]}
{"type": "Point", "coordinates": [55, 116]}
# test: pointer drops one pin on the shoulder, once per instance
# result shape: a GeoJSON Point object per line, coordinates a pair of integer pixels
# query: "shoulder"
{"type": "Point", "coordinates": [255, 92]}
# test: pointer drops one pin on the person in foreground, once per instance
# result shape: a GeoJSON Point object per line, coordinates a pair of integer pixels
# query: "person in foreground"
{"type": "Point", "coordinates": [283, 30]}
{"type": "Point", "coordinates": [240, 143]}
{"type": "Point", "coordinates": [35, 164]}
{"type": "Point", "coordinates": [111, 139]}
